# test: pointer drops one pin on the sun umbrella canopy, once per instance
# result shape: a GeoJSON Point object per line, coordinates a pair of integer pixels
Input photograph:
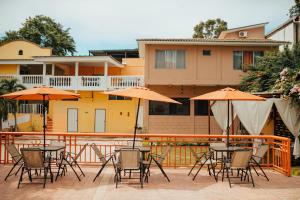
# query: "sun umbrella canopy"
{"type": "Point", "coordinates": [37, 93]}
{"type": "Point", "coordinates": [228, 94]}
{"type": "Point", "coordinates": [142, 93]}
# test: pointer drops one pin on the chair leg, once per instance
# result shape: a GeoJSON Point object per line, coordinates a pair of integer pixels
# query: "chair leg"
{"type": "Point", "coordinates": [251, 177]}
{"type": "Point", "coordinates": [202, 164]}
{"type": "Point", "coordinates": [11, 171]}
{"type": "Point", "coordinates": [59, 167]}
{"type": "Point", "coordinates": [73, 169]}
{"type": "Point", "coordinates": [19, 169]}
{"type": "Point", "coordinates": [162, 171]}
{"type": "Point", "coordinates": [227, 171]}
{"type": "Point", "coordinates": [265, 175]}
{"type": "Point", "coordinates": [99, 172]}
{"type": "Point", "coordinates": [76, 164]}
{"type": "Point", "coordinates": [21, 177]}
{"type": "Point", "coordinates": [193, 168]}
{"type": "Point", "coordinates": [214, 170]}
{"type": "Point", "coordinates": [45, 176]}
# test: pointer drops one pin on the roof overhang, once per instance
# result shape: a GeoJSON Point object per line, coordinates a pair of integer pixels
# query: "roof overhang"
{"type": "Point", "coordinates": [80, 59]}
{"type": "Point", "coordinates": [245, 27]}
{"type": "Point", "coordinates": [209, 42]}
{"type": "Point", "coordinates": [19, 62]}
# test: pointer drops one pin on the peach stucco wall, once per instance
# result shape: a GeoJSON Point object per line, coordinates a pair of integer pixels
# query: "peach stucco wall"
{"type": "Point", "coordinates": [216, 69]}
{"type": "Point", "coordinates": [190, 124]}
{"type": "Point", "coordinates": [133, 66]}
{"type": "Point", "coordinates": [254, 33]}
{"type": "Point", "coordinates": [11, 50]}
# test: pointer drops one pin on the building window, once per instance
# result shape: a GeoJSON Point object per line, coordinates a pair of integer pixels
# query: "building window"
{"type": "Point", "coordinates": [114, 97]}
{"type": "Point", "coordinates": [20, 52]}
{"type": "Point", "coordinates": [242, 59]}
{"type": "Point", "coordinates": [201, 108]}
{"type": "Point", "coordinates": [161, 108]}
{"type": "Point", "coordinates": [170, 59]}
{"type": "Point", "coordinates": [206, 52]}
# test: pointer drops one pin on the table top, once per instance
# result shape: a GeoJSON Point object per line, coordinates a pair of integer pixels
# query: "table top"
{"type": "Point", "coordinates": [51, 148]}
{"type": "Point", "coordinates": [142, 149]}
{"type": "Point", "coordinates": [230, 148]}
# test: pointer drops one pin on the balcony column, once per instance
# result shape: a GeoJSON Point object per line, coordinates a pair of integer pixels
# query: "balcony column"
{"type": "Point", "coordinates": [53, 69]}
{"type": "Point", "coordinates": [105, 75]}
{"type": "Point", "coordinates": [77, 81]}
{"type": "Point", "coordinates": [44, 74]}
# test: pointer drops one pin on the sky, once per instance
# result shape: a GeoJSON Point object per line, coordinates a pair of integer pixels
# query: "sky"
{"type": "Point", "coordinates": [116, 24]}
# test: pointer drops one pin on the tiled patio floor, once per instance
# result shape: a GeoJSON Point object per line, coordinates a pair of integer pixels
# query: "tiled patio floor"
{"type": "Point", "coordinates": [180, 187]}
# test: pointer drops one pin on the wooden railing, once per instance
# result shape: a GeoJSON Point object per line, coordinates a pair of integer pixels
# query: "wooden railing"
{"type": "Point", "coordinates": [278, 156]}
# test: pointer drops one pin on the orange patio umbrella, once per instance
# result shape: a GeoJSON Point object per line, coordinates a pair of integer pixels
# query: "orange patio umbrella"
{"type": "Point", "coordinates": [43, 94]}
{"type": "Point", "coordinates": [228, 94]}
{"type": "Point", "coordinates": [141, 93]}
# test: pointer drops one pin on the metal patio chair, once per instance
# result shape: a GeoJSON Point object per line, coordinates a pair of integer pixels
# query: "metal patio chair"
{"type": "Point", "coordinates": [16, 158]}
{"type": "Point", "coordinates": [104, 159]}
{"type": "Point", "coordinates": [158, 160]}
{"type": "Point", "coordinates": [201, 159]}
{"type": "Point", "coordinates": [257, 158]}
{"type": "Point", "coordinates": [34, 160]}
{"type": "Point", "coordinates": [129, 159]}
{"type": "Point", "coordinates": [240, 162]}
{"type": "Point", "coordinates": [69, 160]}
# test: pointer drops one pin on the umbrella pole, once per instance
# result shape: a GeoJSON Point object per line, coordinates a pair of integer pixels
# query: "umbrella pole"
{"type": "Point", "coordinates": [227, 134]}
{"type": "Point", "coordinates": [44, 122]}
{"type": "Point", "coordinates": [136, 121]}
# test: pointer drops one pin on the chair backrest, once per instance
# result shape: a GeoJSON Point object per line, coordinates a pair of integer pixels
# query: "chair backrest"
{"type": "Point", "coordinates": [33, 158]}
{"type": "Point", "coordinates": [98, 153]}
{"type": "Point", "coordinates": [138, 143]}
{"type": "Point", "coordinates": [130, 158]}
{"type": "Point", "coordinates": [80, 152]}
{"type": "Point", "coordinates": [241, 159]}
{"type": "Point", "coordinates": [198, 156]}
{"type": "Point", "coordinates": [217, 155]}
{"type": "Point", "coordinates": [260, 152]}
{"type": "Point", "coordinates": [57, 143]}
{"type": "Point", "coordinates": [164, 155]}
{"type": "Point", "coordinates": [14, 153]}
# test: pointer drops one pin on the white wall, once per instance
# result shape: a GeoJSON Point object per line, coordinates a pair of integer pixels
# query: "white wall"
{"type": "Point", "coordinates": [285, 34]}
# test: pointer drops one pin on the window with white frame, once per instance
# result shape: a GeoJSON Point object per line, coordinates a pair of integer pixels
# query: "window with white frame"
{"type": "Point", "coordinates": [170, 59]}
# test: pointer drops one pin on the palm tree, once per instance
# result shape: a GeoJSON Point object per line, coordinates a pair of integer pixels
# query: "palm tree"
{"type": "Point", "coordinates": [9, 86]}
{"type": "Point", "coordinates": [3, 110]}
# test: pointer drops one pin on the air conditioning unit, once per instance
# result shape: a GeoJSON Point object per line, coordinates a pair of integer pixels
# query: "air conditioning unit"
{"type": "Point", "coordinates": [243, 34]}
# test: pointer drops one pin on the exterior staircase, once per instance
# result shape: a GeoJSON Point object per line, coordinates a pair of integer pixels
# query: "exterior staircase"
{"type": "Point", "coordinates": [49, 124]}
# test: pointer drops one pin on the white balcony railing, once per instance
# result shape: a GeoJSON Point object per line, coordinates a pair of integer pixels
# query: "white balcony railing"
{"type": "Point", "coordinates": [96, 83]}
{"type": "Point", "coordinates": [119, 82]}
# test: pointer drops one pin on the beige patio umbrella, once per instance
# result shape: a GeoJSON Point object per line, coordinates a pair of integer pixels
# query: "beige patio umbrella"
{"type": "Point", "coordinates": [228, 94]}
{"type": "Point", "coordinates": [141, 93]}
{"type": "Point", "coordinates": [43, 94]}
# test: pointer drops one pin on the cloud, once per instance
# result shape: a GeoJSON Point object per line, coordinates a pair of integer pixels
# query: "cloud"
{"type": "Point", "coordinates": [99, 24]}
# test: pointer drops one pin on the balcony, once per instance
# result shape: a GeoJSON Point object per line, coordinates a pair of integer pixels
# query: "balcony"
{"type": "Point", "coordinates": [79, 83]}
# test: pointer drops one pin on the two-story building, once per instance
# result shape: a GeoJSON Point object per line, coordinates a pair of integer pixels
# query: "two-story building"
{"type": "Point", "coordinates": [184, 68]}
{"type": "Point", "coordinates": [88, 75]}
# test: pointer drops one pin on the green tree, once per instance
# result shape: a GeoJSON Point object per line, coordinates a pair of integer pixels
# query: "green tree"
{"type": "Point", "coordinates": [45, 32]}
{"type": "Point", "coordinates": [276, 72]}
{"type": "Point", "coordinates": [210, 28]}
{"type": "Point", "coordinates": [8, 86]}
{"type": "Point", "coordinates": [3, 110]}
{"type": "Point", "coordinates": [295, 10]}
